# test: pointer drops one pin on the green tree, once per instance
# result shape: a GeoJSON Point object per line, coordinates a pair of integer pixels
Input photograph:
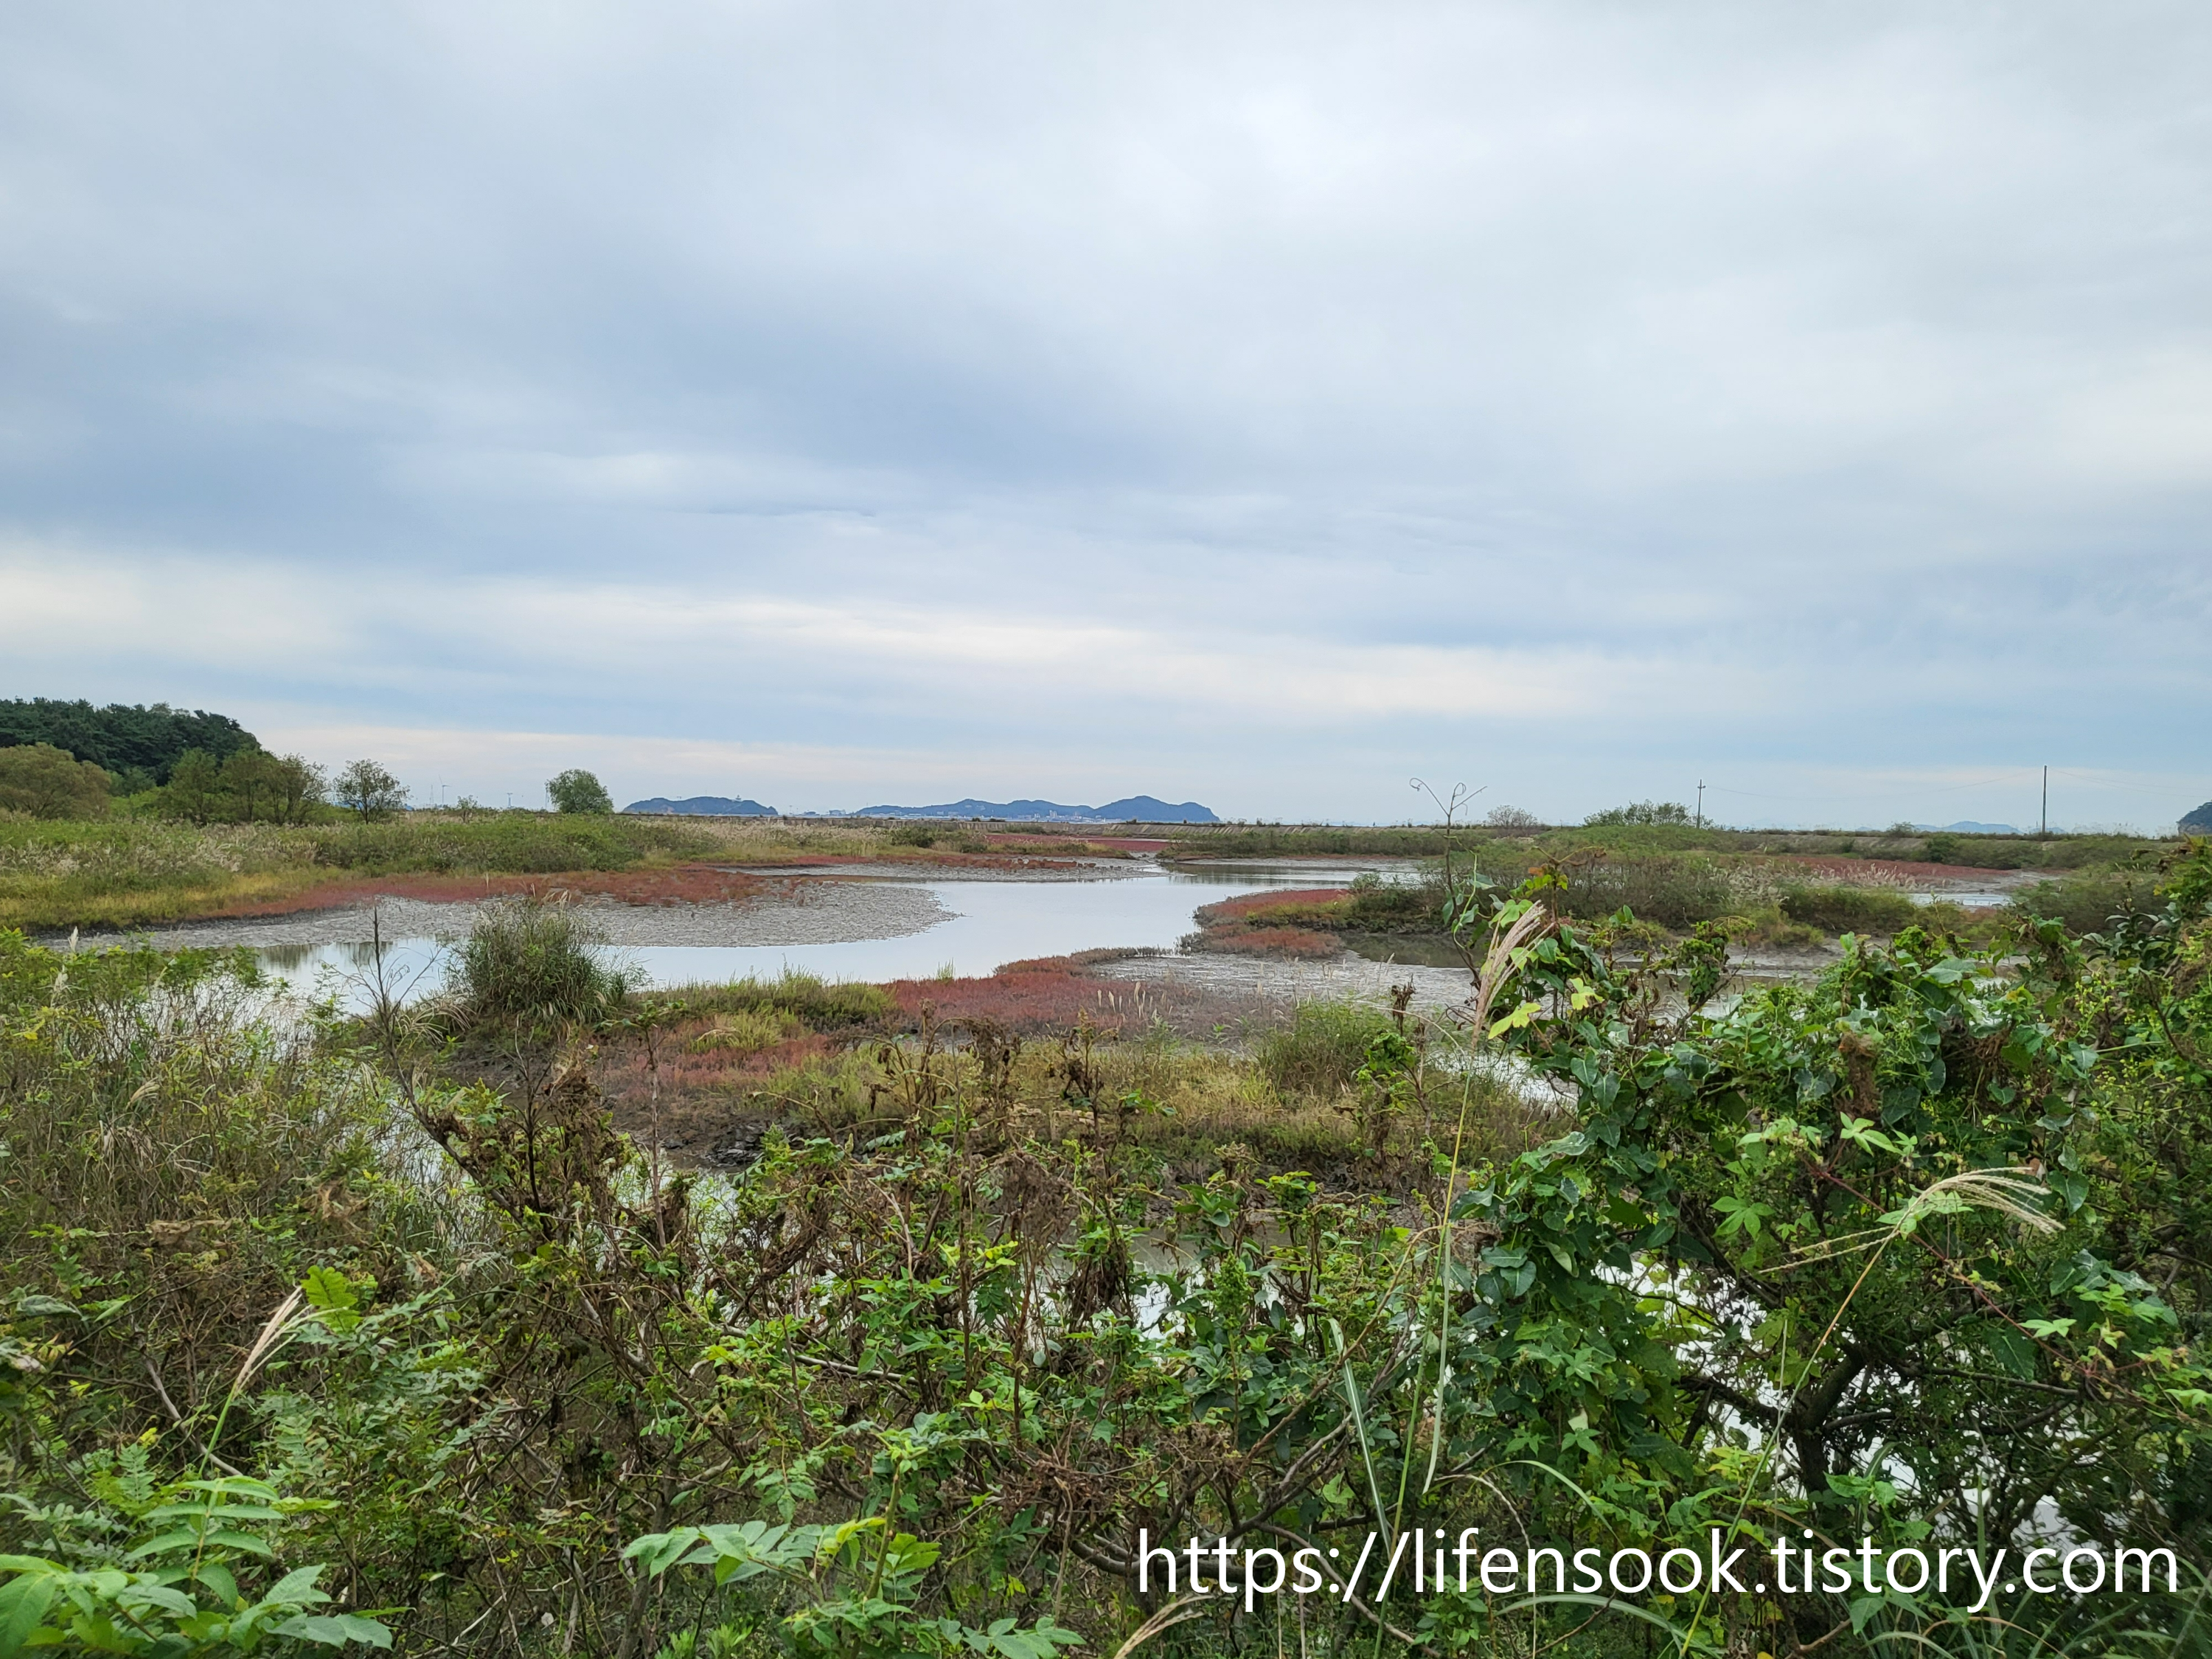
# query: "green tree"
{"type": "Point", "coordinates": [47, 783]}
{"type": "Point", "coordinates": [195, 789]}
{"type": "Point", "coordinates": [577, 791]}
{"type": "Point", "coordinates": [146, 739]}
{"type": "Point", "coordinates": [251, 778]}
{"type": "Point", "coordinates": [367, 791]}
{"type": "Point", "coordinates": [299, 786]}
{"type": "Point", "coordinates": [1641, 811]}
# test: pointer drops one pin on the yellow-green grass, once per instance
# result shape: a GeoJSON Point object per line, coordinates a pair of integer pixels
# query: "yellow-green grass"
{"type": "Point", "coordinates": [136, 872]}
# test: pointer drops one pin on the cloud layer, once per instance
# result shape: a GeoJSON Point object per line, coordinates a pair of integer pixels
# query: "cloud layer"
{"type": "Point", "coordinates": [1259, 404]}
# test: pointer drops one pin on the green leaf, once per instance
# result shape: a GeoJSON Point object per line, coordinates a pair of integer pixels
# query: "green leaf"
{"type": "Point", "coordinates": [335, 1629]}
{"type": "Point", "coordinates": [23, 1604]}
{"type": "Point", "coordinates": [2014, 1352]}
{"type": "Point", "coordinates": [232, 1485]}
{"type": "Point", "coordinates": [218, 1579]}
{"type": "Point", "coordinates": [333, 1294]}
{"type": "Point", "coordinates": [241, 1540]}
{"type": "Point", "coordinates": [182, 1538]}
{"type": "Point", "coordinates": [158, 1596]}
{"type": "Point", "coordinates": [297, 1586]}
{"type": "Point", "coordinates": [1514, 1021]}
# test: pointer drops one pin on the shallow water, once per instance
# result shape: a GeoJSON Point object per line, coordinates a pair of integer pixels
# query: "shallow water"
{"type": "Point", "coordinates": [992, 923]}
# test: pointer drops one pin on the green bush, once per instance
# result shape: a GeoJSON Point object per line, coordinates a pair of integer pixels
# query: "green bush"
{"type": "Point", "coordinates": [1391, 907]}
{"type": "Point", "coordinates": [531, 965]}
{"type": "Point", "coordinates": [820, 1005]}
{"type": "Point", "coordinates": [47, 782]}
{"type": "Point", "coordinates": [2086, 902]}
{"type": "Point", "coordinates": [1851, 909]}
{"type": "Point", "coordinates": [1320, 1053]}
{"type": "Point", "coordinates": [1641, 811]}
{"type": "Point", "coordinates": [1674, 890]}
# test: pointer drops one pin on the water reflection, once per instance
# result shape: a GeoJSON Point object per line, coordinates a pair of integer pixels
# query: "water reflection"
{"type": "Point", "coordinates": [291, 960]}
{"type": "Point", "coordinates": [991, 923]}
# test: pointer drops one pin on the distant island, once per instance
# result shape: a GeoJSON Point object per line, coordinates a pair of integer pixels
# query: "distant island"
{"type": "Point", "coordinates": [1136, 809]}
{"type": "Point", "coordinates": [2198, 822]}
{"type": "Point", "coordinates": [705, 806]}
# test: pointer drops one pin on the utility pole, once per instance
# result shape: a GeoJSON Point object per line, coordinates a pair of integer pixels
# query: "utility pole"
{"type": "Point", "coordinates": [2043, 830]}
{"type": "Point", "coordinates": [1701, 803]}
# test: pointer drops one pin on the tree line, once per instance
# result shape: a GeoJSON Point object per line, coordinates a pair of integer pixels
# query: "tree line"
{"type": "Point", "coordinates": [247, 785]}
{"type": "Point", "coordinates": [140, 744]}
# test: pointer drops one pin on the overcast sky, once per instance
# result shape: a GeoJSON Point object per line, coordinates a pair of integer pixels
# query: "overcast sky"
{"type": "Point", "coordinates": [1263, 404]}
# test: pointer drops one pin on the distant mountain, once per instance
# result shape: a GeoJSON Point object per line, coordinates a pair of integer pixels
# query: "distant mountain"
{"type": "Point", "coordinates": [1136, 809]}
{"type": "Point", "coordinates": [709, 806]}
{"type": "Point", "coordinates": [2198, 822]}
{"type": "Point", "coordinates": [1968, 827]}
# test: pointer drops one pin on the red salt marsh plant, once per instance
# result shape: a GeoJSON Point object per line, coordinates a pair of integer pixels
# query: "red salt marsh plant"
{"type": "Point", "coordinates": [1274, 924]}
{"type": "Point", "coordinates": [1050, 993]}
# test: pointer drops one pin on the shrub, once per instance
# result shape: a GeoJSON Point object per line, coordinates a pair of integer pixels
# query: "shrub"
{"type": "Point", "coordinates": [1642, 812]}
{"type": "Point", "coordinates": [48, 782]}
{"type": "Point", "coordinates": [1321, 1051]}
{"type": "Point", "coordinates": [821, 1006]}
{"type": "Point", "coordinates": [1674, 890]}
{"type": "Point", "coordinates": [532, 965]}
{"type": "Point", "coordinates": [520, 843]}
{"type": "Point", "coordinates": [1382, 906]}
{"type": "Point", "coordinates": [1851, 909]}
{"type": "Point", "coordinates": [748, 1031]}
{"type": "Point", "coordinates": [2086, 903]}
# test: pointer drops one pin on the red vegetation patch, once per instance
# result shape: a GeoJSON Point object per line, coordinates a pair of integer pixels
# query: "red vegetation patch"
{"type": "Point", "coordinates": [628, 1079]}
{"type": "Point", "coordinates": [1030, 998]}
{"type": "Point", "coordinates": [1254, 905]}
{"type": "Point", "coordinates": [1240, 939]}
{"type": "Point", "coordinates": [1270, 924]}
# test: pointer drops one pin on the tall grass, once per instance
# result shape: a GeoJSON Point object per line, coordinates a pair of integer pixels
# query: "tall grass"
{"type": "Point", "coordinates": [1319, 1053]}
{"type": "Point", "coordinates": [821, 1004]}
{"type": "Point", "coordinates": [531, 965]}
{"type": "Point", "coordinates": [134, 873]}
{"type": "Point", "coordinates": [2087, 901]}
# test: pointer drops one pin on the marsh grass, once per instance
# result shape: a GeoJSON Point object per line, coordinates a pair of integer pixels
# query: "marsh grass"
{"type": "Point", "coordinates": [529, 965]}
{"type": "Point", "coordinates": [138, 873]}
{"type": "Point", "coordinates": [1319, 1053]}
{"type": "Point", "coordinates": [2085, 901]}
{"type": "Point", "coordinates": [1291, 1105]}
{"type": "Point", "coordinates": [820, 1005]}
{"type": "Point", "coordinates": [1513, 850]}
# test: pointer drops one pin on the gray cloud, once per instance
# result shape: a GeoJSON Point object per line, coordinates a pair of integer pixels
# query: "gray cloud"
{"type": "Point", "coordinates": [1258, 403]}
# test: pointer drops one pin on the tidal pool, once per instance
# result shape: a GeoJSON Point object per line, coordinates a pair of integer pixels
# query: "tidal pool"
{"type": "Point", "coordinates": [988, 924]}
